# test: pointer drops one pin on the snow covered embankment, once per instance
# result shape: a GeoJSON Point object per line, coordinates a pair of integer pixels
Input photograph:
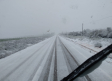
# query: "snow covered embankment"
{"type": "Point", "coordinates": [89, 44]}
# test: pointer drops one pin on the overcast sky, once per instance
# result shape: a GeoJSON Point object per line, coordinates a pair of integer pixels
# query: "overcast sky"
{"type": "Point", "coordinates": [35, 17]}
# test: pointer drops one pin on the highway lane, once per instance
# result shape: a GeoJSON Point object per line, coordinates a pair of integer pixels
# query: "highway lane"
{"type": "Point", "coordinates": [102, 73]}
{"type": "Point", "coordinates": [49, 60]}
{"type": "Point", "coordinates": [23, 65]}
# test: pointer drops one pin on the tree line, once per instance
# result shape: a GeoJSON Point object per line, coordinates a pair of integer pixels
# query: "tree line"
{"type": "Point", "coordinates": [104, 33]}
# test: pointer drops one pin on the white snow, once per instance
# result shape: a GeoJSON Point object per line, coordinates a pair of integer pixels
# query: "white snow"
{"type": "Point", "coordinates": [90, 42]}
{"type": "Point", "coordinates": [62, 69]}
{"type": "Point", "coordinates": [103, 73]}
{"type": "Point", "coordinates": [20, 65]}
{"type": "Point", "coordinates": [29, 64]}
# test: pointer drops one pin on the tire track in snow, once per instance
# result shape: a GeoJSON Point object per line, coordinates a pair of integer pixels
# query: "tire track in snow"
{"type": "Point", "coordinates": [62, 69]}
{"type": "Point", "coordinates": [71, 64]}
{"type": "Point", "coordinates": [99, 73]}
{"type": "Point", "coordinates": [55, 62]}
{"type": "Point", "coordinates": [45, 73]}
{"type": "Point", "coordinates": [42, 75]}
{"type": "Point", "coordinates": [36, 68]}
{"type": "Point", "coordinates": [19, 65]}
{"type": "Point", "coordinates": [28, 67]}
{"type": "Point", "coordinates": [41, 71]}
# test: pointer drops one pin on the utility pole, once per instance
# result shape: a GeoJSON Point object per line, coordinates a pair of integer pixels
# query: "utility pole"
{"type": "Point", "coordinates": [82, 29]}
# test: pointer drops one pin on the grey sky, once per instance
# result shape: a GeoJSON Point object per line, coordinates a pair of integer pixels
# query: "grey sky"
{"type": "Point", "coordinates": [34, 17]}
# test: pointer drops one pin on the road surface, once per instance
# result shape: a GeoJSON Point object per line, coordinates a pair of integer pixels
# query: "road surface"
{"type": "Point", "coordinates": [50, 60]}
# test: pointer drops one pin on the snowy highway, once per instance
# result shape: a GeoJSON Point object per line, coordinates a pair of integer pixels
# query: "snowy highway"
{"type": "Point", "coordinates": [50, 60]}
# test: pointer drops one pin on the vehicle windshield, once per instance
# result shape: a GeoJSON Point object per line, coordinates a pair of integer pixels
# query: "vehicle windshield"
{"type": "Point", "coordinates": [46, 40]}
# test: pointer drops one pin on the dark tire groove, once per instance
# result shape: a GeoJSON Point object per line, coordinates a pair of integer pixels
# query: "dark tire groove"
{"type": "Point", "coordinates": [35, 70]}
{"type": "Point", "coordinates": [55, 63]}
{"type": "Point", "coordinates": [46, 69]}
{"type": "Point", "coordinates": [64, 47]}
{"type": "Point", "coordinates": [12, 71]}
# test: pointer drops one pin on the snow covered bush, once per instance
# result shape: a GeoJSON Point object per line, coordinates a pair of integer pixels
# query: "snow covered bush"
{"type": "Point", "coordinates": [98, 33]}
{"type": "Point", "coordinates": [110, 35]}
{"type": "Point", "coordinates": [103, 33]}
{"type": "Point", "coordinates": [99, 45]}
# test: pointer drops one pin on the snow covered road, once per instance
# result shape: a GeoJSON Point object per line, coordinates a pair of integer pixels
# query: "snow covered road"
{"type": "Point", "coordinates": [50, 60]}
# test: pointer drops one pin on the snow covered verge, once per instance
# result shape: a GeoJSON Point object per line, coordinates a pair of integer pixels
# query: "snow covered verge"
{"type": "Point", "coordinates": [89, 43]}
{"type": "Point", "coordinates": [10, 46]}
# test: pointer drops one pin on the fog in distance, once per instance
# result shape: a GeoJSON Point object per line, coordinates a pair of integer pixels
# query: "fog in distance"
{"type": "Point", "coordinates": [36, 17]}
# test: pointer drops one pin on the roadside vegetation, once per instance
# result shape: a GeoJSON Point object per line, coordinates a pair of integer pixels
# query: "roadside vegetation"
{"type": "Point", "coordinates": [99, 38]}
{"type": "Point", "coordinates": [98, 33]}
{"type": "Point", "coordinates": [12, 45]}
{"type": "Point", "coordinates": [2, 40]}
